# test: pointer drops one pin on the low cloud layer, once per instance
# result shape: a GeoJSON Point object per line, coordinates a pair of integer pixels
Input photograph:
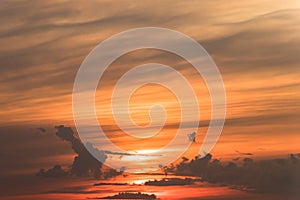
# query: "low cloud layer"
{"type": "Point", "coordinates": [266, 176]}
{"type": "Point", "coordinates": [84, 163]}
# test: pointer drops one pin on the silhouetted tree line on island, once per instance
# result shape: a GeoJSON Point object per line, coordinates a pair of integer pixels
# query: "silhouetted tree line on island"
{"type": "Point", "coordinates": [131, 195]}
{"type": "Point", "coordinates": [172, 182]}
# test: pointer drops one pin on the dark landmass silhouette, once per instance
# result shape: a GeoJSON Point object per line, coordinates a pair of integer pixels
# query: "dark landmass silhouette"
{"type": "Point", "coordinates": [99, 184]}
{"type": "Point", "coordinates": [172, 182]}
{"type": "Point", "coordinates": [131, 195]}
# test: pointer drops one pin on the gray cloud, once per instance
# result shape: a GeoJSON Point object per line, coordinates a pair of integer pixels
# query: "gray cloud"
{"type": "Point", "coordinates": [267, 42]}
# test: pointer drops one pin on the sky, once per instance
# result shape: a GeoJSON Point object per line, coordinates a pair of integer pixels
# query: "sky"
{"type": "Point", "coordinates": [255, 45]}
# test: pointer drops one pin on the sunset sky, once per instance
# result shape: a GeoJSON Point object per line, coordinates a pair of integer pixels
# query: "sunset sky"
{"type": "Point", "coordinates": [255, 45]}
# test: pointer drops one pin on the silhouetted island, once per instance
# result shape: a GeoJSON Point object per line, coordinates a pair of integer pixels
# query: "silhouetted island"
{"type": "Point", "coordinates": [99, 184]}
{"type": "Point", "coordinates": [172, 182]}
{"type": "Point", "coordinates": [131, 195]}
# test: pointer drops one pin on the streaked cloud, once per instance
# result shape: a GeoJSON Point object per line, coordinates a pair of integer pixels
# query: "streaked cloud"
{"type": "Point", "coordinates": [255, 44]}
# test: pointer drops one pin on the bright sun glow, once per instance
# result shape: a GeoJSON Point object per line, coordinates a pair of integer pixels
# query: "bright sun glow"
{"type": "Point", "coordinates": [146, 151]}
{"type": "Point", "coordinates": [139, 182]}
